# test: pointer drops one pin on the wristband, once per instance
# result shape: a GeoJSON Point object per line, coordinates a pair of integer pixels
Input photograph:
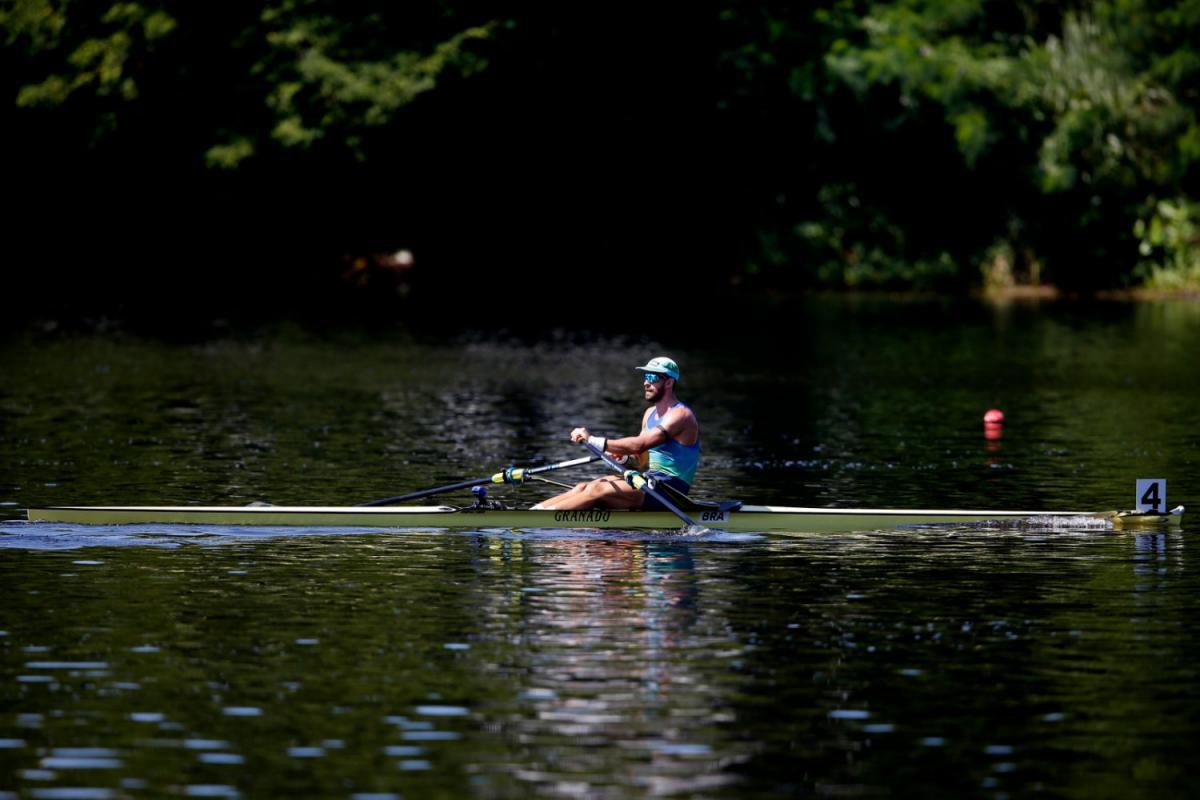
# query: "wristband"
{"type": "Point", "coordinates": [598, 442]}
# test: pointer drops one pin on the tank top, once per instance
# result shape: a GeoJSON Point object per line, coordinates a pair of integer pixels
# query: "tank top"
{"type": "Point", "coordinates": [671, 457]}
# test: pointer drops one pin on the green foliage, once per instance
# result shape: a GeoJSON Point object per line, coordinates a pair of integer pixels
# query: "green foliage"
{"type": "Point", "coordinates": [302, 72]}
{"type": "Point", "coordinates": [847, 248]}
{"type": "Point", "coordinates": [1111, 123]}
{"type": "Point", "coordinates": [35, 25]}
{"type": "Point", "coordinates": [98, 63]}
{"type": "Point", "coordinates": [231, 154]}
{"type": "Point", "coordinates": [1169, 242]}
{"type": "Point", "coordinates": [322, 88]}
{"type": "Point", "coordinates": [851, 143]}
{"type": "Point", "coordinates": [924, 51]}
{"type": "Point", "coordinates": [1093, 105]}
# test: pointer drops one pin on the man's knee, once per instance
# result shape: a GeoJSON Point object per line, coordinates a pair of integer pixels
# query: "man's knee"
{"type": "Point", "coordinates": [611, 488]}
{"type": "Point", "coordinates": [597, 488]}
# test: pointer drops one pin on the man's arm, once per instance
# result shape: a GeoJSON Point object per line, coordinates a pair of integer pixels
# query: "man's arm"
{"type": "Point", "coordinates": [679, 423]}
{"type": "Point", "coordinates": [632, 445]}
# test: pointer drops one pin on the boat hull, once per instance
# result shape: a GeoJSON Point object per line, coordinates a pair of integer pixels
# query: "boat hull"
{"type": "Point", "coordinates": [781, 519]}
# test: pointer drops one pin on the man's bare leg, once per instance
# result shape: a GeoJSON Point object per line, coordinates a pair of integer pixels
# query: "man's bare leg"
{"type": "Point", "coordinates": [611, 493]}
{"type": "Point", "coordinates": [552, 502]}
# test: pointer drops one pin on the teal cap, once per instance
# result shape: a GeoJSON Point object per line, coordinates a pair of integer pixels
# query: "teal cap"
{"type": "Point", "coordinates": [661, 365]}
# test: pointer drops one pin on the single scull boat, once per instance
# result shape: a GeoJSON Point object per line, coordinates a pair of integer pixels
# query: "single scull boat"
{"type": "Point", "coordinates": [724, 516]}
{"type": "Point", "coordinates": [729, 515]}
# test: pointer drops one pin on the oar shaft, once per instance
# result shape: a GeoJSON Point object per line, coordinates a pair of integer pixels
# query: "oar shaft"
{"type": "Point", "coordinates": [574, 462]}
{"type": "Point", "coordinates": [400, 498]}
{"type": "Point", "coordinates": [644, 484]}
{"type": "Point", "coordinates": [510, 475]}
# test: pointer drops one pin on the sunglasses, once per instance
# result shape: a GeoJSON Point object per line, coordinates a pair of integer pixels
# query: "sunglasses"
{"type": "Point", "coordinates": [654, 377]}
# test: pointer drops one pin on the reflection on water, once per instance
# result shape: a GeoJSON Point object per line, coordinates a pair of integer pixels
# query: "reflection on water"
{"type": "Point", "coordinates": [571, 665]}
{"type": "Point", "coordinates": [151, 661]}
{"type": "Point", "coordinates": [607, 628]}
{"type": "Point", "coordinates": [509, 665]}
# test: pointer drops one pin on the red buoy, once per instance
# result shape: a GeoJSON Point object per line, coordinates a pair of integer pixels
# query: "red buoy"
{"type": "Point", "coordinates": [994, 417]}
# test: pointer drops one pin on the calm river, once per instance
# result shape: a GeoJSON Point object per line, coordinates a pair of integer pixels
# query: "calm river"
{"type": "Point", "coordinates": [145, 662]}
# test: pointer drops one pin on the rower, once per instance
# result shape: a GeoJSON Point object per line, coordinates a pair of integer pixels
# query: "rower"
{"type": "Point", "coordinates": [669, 446]}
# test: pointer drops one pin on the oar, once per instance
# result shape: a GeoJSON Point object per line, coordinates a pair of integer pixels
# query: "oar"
{"type": "Point", "coordinates": [510, 475]}
{"type": "Point", "coordinates": [639, 481]}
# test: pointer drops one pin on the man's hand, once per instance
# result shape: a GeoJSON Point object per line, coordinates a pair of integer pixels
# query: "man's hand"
{"type": "Point", "coordinates": [579, 434]}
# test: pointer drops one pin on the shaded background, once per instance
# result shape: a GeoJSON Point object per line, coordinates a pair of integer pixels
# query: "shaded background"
{"type": "Point", "coordinates": [275, 156]}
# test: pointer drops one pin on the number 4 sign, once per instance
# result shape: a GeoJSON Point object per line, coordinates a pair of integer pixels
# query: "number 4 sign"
{"type": "Point", "coordinates": [1151, 495]}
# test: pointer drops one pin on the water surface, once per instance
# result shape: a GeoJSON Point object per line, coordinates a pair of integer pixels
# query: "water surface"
{"type": "Point", "coordinates": [150, 661]}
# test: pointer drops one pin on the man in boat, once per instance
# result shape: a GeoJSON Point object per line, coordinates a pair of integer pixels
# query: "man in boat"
{"type": "Point", "coordinates": [668, 449]}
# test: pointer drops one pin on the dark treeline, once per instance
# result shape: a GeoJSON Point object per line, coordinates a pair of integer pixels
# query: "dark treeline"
{"type": "Point", "coordinates": [184, 152]}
